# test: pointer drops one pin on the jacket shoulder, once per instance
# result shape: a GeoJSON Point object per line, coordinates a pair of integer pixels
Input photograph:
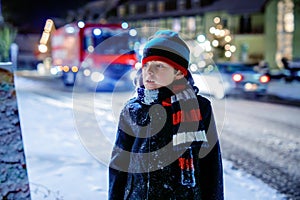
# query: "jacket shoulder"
{"type": "Point", "coordinates": [137, 112]}
{"type": "Point", "coordinates": [203, 101]}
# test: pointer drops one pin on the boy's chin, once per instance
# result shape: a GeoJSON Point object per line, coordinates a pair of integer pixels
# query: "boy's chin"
{"type": "Point", "coordinates": [152, 87]}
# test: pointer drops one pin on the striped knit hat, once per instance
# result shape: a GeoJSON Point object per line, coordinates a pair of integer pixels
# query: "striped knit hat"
{"type": "Point", "coordinates": [167, 46]}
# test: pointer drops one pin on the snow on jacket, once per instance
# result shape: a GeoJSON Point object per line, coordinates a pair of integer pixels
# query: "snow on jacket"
{"type": "Point", "coordinates": [136, 174]}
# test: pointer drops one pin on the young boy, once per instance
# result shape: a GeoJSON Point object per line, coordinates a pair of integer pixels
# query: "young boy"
{"type": "Point", "coordinates": [167, 145]}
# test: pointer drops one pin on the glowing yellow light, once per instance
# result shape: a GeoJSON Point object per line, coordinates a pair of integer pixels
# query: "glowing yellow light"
{"type": "Point", "coordinates": [215, 43]}
{"type": "Point", "coordinates": [66, 68]}
{"type": "Point", "coordinates": [43, 48]}
{"type": "Point", "coordinates": [207, 46]}
{"type": "Point", "coordinates": [74, 69]}
{"type": "Point", "coordinates": [217, 20]}
{"type": "Point", "coordinates": [45, 38]}
{"type": "Point", "coordinates": [227, 38]}
{"type": "Point", "coordinates": [232, 48]}
{"type": "Point", "coordinates": [201, 38]}
{"type": "Point", "coordinates": [193, 67]}
{"type": "Point", "coordinates": [222, 33]}
{"type": "Point", "coordinates": [289, 22]}
{"type": "Point", "coordinates": [219, 26]}
{"type": "Point", "coordinates": [228, 54]}
{"type": "Point", "coordinates": [217, 32]}
{"type": "Point", "coordinates": [97, 77]}
{"type": "Point", "coordinates": [212, 30]}
{"type": "Point", "coordinates": [227, 47]}
{"type": "Point", "coordinates": [87, 72]}
{"type": "Point", "coordinates": [210, 67]}
{"type": "Point", "coordinates": [81, 24]}
{"type": "Point", "coordinates": [201, 63]}
{"type": "Point", "coordinates": [227, 32]}
{"type": "Point", "coordinates": [91, 49]}
{"type": "Point", "coordinates": [97, 31]}
{"type": "Point", "coordinates": [48, 26]}
{"type": "Point", "coordinates": [133, 32]}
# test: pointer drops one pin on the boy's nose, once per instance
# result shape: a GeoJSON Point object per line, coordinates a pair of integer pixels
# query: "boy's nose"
{"type": "Point", "coordinates": [150, 69]}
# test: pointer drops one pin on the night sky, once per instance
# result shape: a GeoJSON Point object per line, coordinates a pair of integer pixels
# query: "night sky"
{"type": "Point", "coordinates": [30, 15]}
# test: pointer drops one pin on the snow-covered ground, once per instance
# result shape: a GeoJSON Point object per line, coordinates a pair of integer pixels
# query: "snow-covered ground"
{"type": "Point", "coordinates": [60, 166]}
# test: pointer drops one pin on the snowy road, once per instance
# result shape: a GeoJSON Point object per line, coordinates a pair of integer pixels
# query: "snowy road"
{"type": "Point", "coordinates": [68, 137]}
{"type": "Point", "coordinates": [263, 138]}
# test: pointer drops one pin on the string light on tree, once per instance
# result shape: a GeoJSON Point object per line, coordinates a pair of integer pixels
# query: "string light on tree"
{"type": "Point", "coordinates": [221, 39]}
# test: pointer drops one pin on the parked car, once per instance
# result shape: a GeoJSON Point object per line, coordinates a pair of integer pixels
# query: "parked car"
{"type": "Point", "coordinates": [223, 79]}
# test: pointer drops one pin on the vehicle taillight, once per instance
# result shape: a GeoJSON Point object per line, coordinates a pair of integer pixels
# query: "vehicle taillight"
{"type": "Point", "coordinates": [237, 77]}
{"type": "Point", "coordinates": [264, 79]}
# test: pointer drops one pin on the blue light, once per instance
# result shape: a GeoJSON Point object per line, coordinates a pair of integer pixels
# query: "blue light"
{"type": "Point", "coordinates": [132, 32]}
{"type": "Point", "coordinates": [124, 25]}
{"type": "Point", "coordinates": [80, 24]}
{"type": "Point", "coordinates": [97, 31]}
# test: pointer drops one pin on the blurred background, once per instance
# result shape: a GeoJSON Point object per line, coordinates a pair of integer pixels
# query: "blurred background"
{"type": "Point", "coordinates": [245, 57]}
{"type": "Point", "coordinates": [229, 30]}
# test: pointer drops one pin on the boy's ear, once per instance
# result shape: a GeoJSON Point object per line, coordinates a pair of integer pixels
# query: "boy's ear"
{"type": "Point", "coordinates": [179, 75]}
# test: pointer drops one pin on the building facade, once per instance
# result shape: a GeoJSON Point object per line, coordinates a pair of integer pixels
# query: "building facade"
{"type": "Point", "coordinates": [247, 31]}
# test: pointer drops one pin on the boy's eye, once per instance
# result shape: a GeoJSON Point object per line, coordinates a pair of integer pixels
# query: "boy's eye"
{"type": "Point", "coordinates": [156, 65]}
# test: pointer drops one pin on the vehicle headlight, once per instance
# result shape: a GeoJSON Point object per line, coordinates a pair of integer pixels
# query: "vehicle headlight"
{"type": "Point", "coordinates": [97, 77]}
{"type": "Point", "coordinates": [87, 72]}
{"type": "Point", "coordinates": [66, 68]}
{"type": "Point", "coordinates": [55, 70]}
{"type": "Point", "coordinates": [74, 69]}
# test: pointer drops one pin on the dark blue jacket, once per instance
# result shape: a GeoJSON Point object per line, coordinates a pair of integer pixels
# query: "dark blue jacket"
{"type": "Point", "coordinates": [135, 174]}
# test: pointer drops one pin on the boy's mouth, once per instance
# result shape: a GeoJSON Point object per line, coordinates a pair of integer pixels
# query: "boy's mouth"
{"type": "Point", "coordinates": [150, 81]}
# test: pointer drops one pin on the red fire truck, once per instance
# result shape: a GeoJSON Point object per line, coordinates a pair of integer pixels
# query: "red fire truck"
{"type": "Point", "coordinates": [97, 56]}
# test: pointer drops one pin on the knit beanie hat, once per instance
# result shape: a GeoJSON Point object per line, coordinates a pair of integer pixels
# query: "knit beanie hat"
{"type": "Point", "coordinates": [167, 46]}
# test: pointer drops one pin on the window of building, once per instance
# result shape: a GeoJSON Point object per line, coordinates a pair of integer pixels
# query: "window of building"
{"type": "Point", "coordinates": [181, 4]}
{"type": "Point", "coordinates": [161, 6]}
{"type": "Point", "coordinates": [204, 3]}
{"type": "Point", "coordinates": [132, 9]}
{"type": "Point", "coordinates": [170, 5]}
{"type": "Point", "coordinates": [245, 24]}
{"type": "Point", "coordinates": [191, 24]}
{"type": "Point", "coordinates": [195, 3]}
{"type": "Point", "coordinates": [199, 25]}
{"type": "Point", "coordinates": [176, 26]}
{"type": "Point", "coordinates": [121, 11]}
{"type": "Point", "coordinates": [150, 7]}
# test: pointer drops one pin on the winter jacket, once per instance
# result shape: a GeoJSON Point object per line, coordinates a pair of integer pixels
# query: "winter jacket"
{"type": "Point", "coordinates": [136, 174]}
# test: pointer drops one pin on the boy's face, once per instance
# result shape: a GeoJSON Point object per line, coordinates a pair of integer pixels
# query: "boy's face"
{"type": "Point", "coordinates": [157, 74]}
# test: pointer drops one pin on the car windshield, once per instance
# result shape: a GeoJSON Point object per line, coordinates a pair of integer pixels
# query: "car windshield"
{"type": "Point", "coordinates": [231, 68]}
{"type": "Point", "coordinates": [107, 41]}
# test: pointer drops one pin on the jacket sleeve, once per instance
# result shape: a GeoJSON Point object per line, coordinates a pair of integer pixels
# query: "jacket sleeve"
{"type": "Point", "coordinates": [212, 175]}
{"type": "Point", "coordinates": [211, 169]}
{"type": "Point", "coordinates": [120, 159]}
